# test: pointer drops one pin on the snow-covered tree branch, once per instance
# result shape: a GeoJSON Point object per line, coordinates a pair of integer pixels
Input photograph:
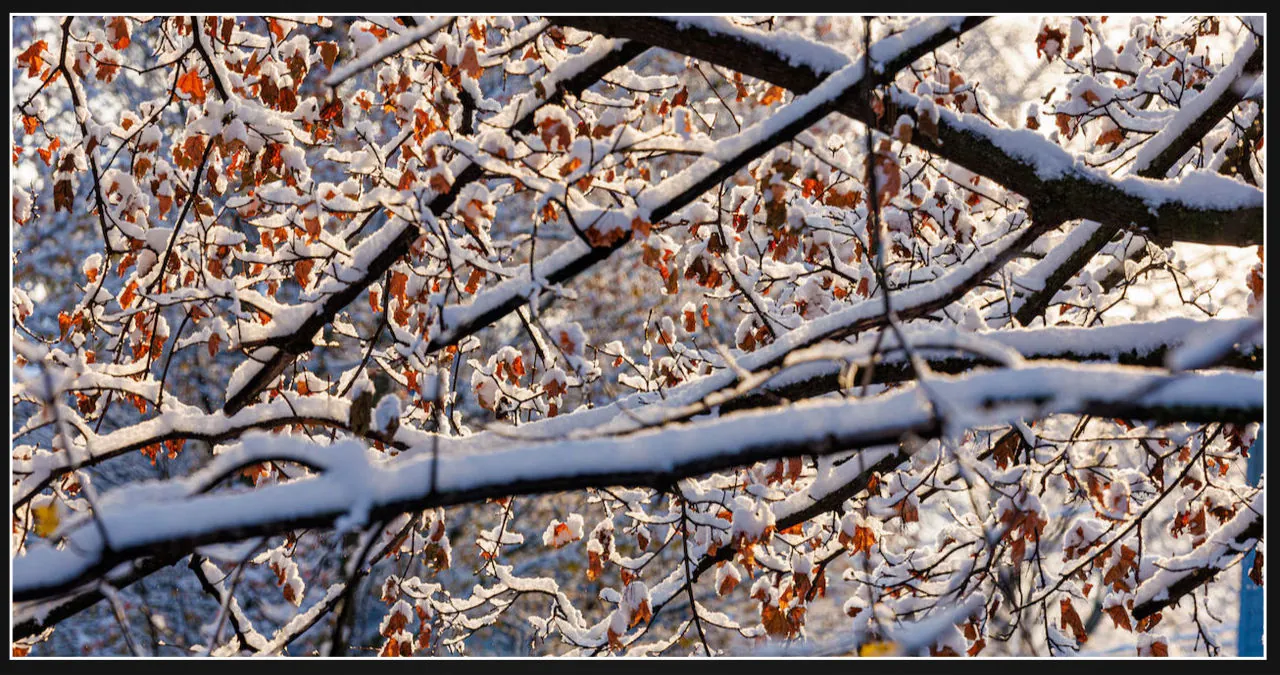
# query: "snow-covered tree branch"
{"type": "Point", "coordinates": [590, 335]}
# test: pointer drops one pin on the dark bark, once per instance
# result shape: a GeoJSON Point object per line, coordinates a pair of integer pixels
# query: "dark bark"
{"type": "Point", "coordinates": [1075, 194]}
{"type": "Point", "coordinates": [288, 347]}
{"type": "Point", "coordinates": [659, 477]}
{"type": "Point", "coordinates": [1195, 578]}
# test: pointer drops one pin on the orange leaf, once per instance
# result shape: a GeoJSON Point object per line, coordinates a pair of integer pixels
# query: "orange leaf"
{"type": "Point", "coordinates": [772, 95]}
{"type": "Point", "coordinates": [552, 130]}
{"type": "Point", "coordinates": [193, 85]}
{"type": "Point", "coordinates": [396, 288]}
{"type": "Point", "coordinates": [302, 271]}
{"type": "Point", "coordinates": [118, 32]}
{"type": "Point", "coordinates": [130, 292]}
{"type": "Point", "coordinates": [1119, 617]}
{"type": "Point", "coordinates": [332, 111]}
{"type": "Point", "coordinates": [641, 613]}
{"type": "Point", "coordinates": [46, 153]}
{"type": "Point", "coordinates": [313, 228]}
{"type": "Point", "coordinates": [595, 566]}
{"type": "Point", "coordinates": [411, 376]}
{"type": "Point", "coordinates": [1072, 620]}
{"type": "Point", "coordinates": [32, 59]}
{"type": "Point", "coordinates": [470, 63]}
{"type": "Point", "coordinates": [1063, 121]}
{"type": "Point", "coordinates": [863, 539]}
{"type": "Point", "coordinates": [614, 643]}
{"type": "Point", "coordinates": [891, 177]}
{"type": "Point", "coordinates": [329, 52]}
{"type": "Point", "coordinates": [1113, 137]}
{"type": "Point", "coordinates": [570, 166]}
{"type": "Point", "coordinates": [775, 622]}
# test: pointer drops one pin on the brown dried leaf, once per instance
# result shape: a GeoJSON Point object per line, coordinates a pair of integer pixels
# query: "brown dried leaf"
{"type": "Point", "coordinates": [1071, 619]}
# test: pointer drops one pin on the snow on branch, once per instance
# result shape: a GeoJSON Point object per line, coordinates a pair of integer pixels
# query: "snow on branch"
{"type": "Point", "coordinates": [1198, 116]}
{"type": "Point", "coordinates": [723, 160]}
{"type": "Point", "coordinates": [1183, 574]}
{"type": "Point", "coordinates": [386, 49]}
{"type": "Point", "coordinates": [167, 518]}
{"type": "Point", "coordinates": [31, 618]}
{"type": "Point", "coordinates": [1200, 207]}
{"type": "Point", "coordinates": [292, 336]}
{"type": "Point", "coordinates": [1154, 159]}
{"type": "Point", "coordinates": [576, 256]}
{"type": "Point", "coordinates": [188, 424]}
{"type": "Point", "coordinates": [817, 372]}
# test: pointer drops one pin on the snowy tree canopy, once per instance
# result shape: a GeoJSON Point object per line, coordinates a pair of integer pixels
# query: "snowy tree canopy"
{"type": "Point", "coordinates": [642, 336]}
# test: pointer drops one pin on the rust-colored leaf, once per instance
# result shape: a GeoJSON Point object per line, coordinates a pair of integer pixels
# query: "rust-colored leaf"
{"type": "Point", "coordinates": [473, 281]}
{"type": "Point", "coordinates": [1072, 620]}
{"type": "Point", "coordinates": [772, 95]}
{"type": "Point", "coordinates": [332, 111]}
{"type": "Point", "coordinates": [313, 229]}
{"type": "Point", "coordinates": [615, 643]}
{"type": "Point", "coordinates": [470, 63]}
{"type": "Point", "coordinates": [595, 566]}
{"type": "Point", "coordinates": [1113, 137]}
{"type": "Point", "coordinates": [1119, 617]}
{"type": "Point", "coordinates": [118, 32]}
{"type": "Point", "coordinates": [727, 585]}
{"type": "Point", "coordinates": [63, 196]}
{"type": "Point", "coordinates": [130, 292]}
{"type": "Point", "coordinates": [32, 59]}
{"type": "Point", "coordinates": [554, 133]}
{"type": "Point", "coordinates": [329, 53]}
{"type": "Point", "coordinates": [302, 271]}
{"type": "Point", "coordinates": [641, 613]}
{"type": "Point", "coordinates": [775, 622]}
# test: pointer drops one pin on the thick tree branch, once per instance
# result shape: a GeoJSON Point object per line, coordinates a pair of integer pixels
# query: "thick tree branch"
{"type": "Point", "coordinates": [1182, 575]}
{"type": "Point", "coordinates": [750, 144]}
{"type": "Point", "coordinates": [280, 351]}
{"type": "Point", "coordinates": [1157, 156]}
{"type": "Point", "coordinates": [506, 298]}
{"type": "Point", "coordinates": [326, 411]}
{"type": "Point", "coordinates": [32, 618]}
{"type": "Point", "coordinates": [1021, 160]}
{"type": "Point", "coordinates": [1139, 344]}
{"type": "Point", "coordinates": [655, 458]}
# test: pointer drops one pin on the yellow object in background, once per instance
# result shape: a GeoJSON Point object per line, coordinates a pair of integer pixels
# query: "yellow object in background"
{"type": "Point", "coordinates": [878, 649]}
{"type": "Point", "coordinates": [46, 518]}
